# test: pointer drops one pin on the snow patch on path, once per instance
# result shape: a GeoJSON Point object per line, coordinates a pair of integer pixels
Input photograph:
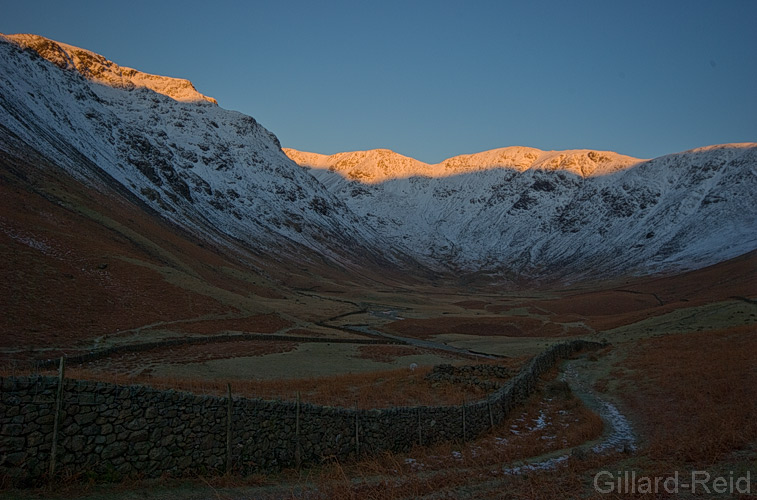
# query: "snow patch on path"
{"type": "Point", "coordinates": [619, 435]}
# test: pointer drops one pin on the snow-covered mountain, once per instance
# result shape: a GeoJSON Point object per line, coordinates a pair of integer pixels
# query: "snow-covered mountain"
{"type": "Point", "coordinates": [557, 213]}
{"type": "Point", "coordinates": [99, 69]}
{"type": "Point", "coordinates": [378, 165]}
{"type": "Point", "coordinates": [215, 172]}
{"type": "Point", "coordinates": [512, 211]}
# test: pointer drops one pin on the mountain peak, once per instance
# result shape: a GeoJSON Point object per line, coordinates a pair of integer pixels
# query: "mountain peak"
{"type": "Point", "coordinates": [508, 214]}
{"type": "Point", "coordinates": [101, 70]}
{"type": "Point", "coordinates": [379, 165]}
{"type": "Point", "coordinates": [368, 167]}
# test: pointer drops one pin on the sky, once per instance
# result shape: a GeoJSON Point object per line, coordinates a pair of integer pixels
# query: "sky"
{"type": "Point", "coordinates": [434, 79]}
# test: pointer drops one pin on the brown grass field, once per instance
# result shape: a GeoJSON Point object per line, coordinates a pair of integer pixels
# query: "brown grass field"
{"type": "Point", "coordinates": [695, 395]}
{"type": "Point", "coordinates": [690, 396]}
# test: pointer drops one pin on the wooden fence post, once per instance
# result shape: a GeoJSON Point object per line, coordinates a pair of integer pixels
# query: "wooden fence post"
{"type": "Point", "coordinates": [229, 411]}
{"type": "Point", "coordinates": [491, 417]}
{"type": "Point", "coordinates": [297, 444]}
{"type": "Point", "coordinates": [420, 428]}
{"type": "Point", "coordinates": [464, 430]}
{"type": "Point", "coordinates": [357, 432]}
{"type": "Point", "coordinates": [58, 410]}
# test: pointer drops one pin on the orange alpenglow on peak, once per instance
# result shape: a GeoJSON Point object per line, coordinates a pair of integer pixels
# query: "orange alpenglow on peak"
{"type": "Point", "coordinates": [101, 70]}
{"type": "Point", "coordinates": [379, 165]}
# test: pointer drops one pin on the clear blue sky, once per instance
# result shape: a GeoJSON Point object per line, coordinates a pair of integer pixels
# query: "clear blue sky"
{"type": "Point", "coordinates": [432, 79]}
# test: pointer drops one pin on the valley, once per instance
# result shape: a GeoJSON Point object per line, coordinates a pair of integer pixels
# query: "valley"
{"type": "Point", "coordinates": [157, 241]}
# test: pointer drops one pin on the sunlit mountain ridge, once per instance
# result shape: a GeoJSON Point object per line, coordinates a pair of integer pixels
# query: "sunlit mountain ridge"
{"type": "Point", "coordinates": [507, 214]}
{"type": "Point", "coordinates": [378, 165]}
{"type": "Point", "coordinates": [101, 70]}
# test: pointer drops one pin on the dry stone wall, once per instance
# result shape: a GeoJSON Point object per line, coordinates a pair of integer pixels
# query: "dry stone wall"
{"type": "Point", "coordinates": [121, 431]}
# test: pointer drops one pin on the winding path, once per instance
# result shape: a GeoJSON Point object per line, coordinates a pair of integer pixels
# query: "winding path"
{"type": "Point", "coordinates": [425, 344]}
{"type": "Point", "coordinates": [618, 434]}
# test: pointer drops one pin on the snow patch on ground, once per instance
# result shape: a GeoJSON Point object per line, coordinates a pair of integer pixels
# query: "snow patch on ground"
{"type": "Point", "coordinates": [537, 466]}
{"type": "Point", "coordinates": [622, 437]}
{"type": "Point", "coordinates": [540, 422]}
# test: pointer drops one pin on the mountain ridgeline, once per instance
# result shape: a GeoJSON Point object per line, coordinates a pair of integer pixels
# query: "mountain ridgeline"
{"type": "Point", "coordinates": [511, 213]}
{"type": "Point", "coordinates": [581, 213]}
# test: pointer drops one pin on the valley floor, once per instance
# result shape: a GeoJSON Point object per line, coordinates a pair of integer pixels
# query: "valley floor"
{"type": "Point", "coordinates": [674, 392]}
{"type": "Point", "coordinates": [174, 245]}
{"type": "Point", "coordinates": [680, 402]}
{"type": "Point", "coordinates": [680, 369]}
